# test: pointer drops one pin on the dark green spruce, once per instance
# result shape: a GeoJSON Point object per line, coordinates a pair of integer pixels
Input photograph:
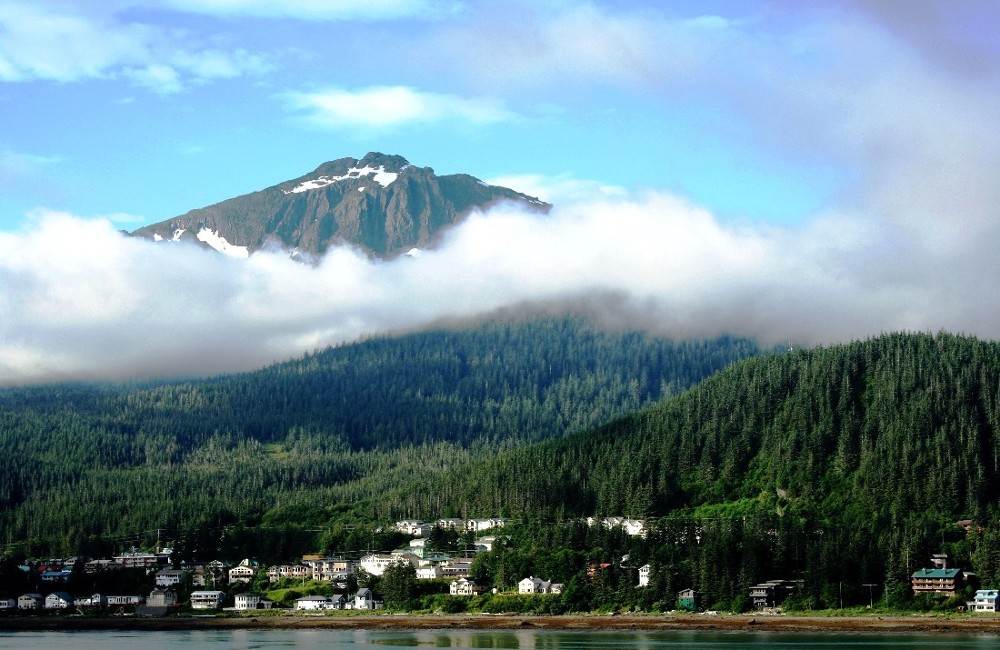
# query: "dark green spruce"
{"type": "Point", "coordinates": [269, 458]}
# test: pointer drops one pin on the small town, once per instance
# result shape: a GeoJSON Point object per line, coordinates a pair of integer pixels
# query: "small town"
{"type": "Point", "coordinates": [177, 585]}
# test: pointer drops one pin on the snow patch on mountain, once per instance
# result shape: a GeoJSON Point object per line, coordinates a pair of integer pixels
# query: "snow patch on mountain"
{"type": "Point", "coordinates": [219, 243]}
{"type": "Point", "coordinates": [381, 176]}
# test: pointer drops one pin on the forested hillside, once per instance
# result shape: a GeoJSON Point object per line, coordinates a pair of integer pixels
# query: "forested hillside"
{"type": "Point", "coordinates": [838, 466]}
{"type": "Point", "coordinates": [315, 441]}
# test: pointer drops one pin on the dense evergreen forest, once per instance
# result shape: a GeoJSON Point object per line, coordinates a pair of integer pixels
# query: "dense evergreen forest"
{"type": "Point", "coordinates": [837, 466]}
{"type": "Point", "coordinates": [316, 443]}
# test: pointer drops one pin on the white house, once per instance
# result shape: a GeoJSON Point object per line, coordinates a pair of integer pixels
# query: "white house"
{"type": "Point", "coordinates": [169, 577]}
{"type": "Point", "coordinates": [533, 585]}
{"type": "Point", "coordinates": [30, 601]}
{"type": "Point", "coordinates": [644, 575]}
{"type": "Point", "coordinates": [312, 603]}
{"type": "Point", "coordinates": [94, 600]}
{"type": "Point", "coordinates": [985, 601]}
{"type": "Point", "coordinates": [480, 525]}
{"type": "Point", "coordinates": [633, 527]}
{"type": "Point", "coordinates": [376, 563]}
{"type": "Point", "coordinates": [8, 604]}
{"type": "Point", "coordinates": [456, 524]}
{"type": "Point", "coordinates": [338, 601]}
{"type": "Point", "coordinates": [118, 601]}
{"type": "Point", "coordinates": [365, 599]}
{"type": "Point", "coordinates": [464, 587]}
{"type": "Point", "coordinates": [207, 599]}
{"type": "Point", "coordinates": [58, 600]}
{"type": "Point", "coordinates": [248, 601]}
{"type": "Point", "coordinates": [429, 572]}
{"type": "Point", "coordinates": [245, 571]}
{"type": "Point", "coordinates": [414, 527]}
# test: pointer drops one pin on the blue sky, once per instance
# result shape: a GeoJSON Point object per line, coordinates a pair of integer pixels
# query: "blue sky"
{"type": "Point", "coordinates": [146, 109]}
{"type": "Point", "coordinates": [840, 157]}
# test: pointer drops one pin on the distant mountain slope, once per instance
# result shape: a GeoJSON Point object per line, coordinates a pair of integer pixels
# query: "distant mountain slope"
{"type": "Point", "coordinates": [343, 425]}
{"type": "Point", "coordinates": [380, 203]}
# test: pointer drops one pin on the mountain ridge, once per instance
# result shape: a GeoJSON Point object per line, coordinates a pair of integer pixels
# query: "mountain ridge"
{"type": "Point", "coordinates": [380, 203]}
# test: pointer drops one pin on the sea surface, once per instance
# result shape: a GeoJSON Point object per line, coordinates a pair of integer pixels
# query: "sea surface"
{"type": "Point", "coordinates": [513, 639]}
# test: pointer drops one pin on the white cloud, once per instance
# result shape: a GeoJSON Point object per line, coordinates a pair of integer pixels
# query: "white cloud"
{"type": "Point", "coordinates": [320, 9]}
{"type": "Point", "coordinates": [43, 41]}
{"type": "Point", "coordinates": [80, 301]}
{"type": "Point", "coordinates": [559, 189]}
{"type": "Point", "coordinates": [391, 106]}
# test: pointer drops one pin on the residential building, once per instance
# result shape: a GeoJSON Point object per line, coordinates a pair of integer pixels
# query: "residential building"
{"type": "Point", "coordinates": [644, 575]}
{"type": "Point", "coordinates": [985, 601]}
{"type": "Point", "coordinates": [947, 582]}
{"type": "Point", "coordinates": [480, 525]}
{"type": "Point", "coordinates": [365, 599]}
{"type": "Point", "coordinates": [58, 600]}
{"type": "Point", "coordinates": [162, 598]}
{"type": "Point", "coordinates": [30, 601]}
{"type": "Point", "coordinates": [294, 571]}
{"type": "Point", "coordinates": [533, 585]}
{"type": "Point", "coordinates": [376, 563]}
{"type": "Point", "coordinates": [312, 603]}
{"type": "Point", "coordinates": [329, 569]}
{"type": "Point", "coordinates": [414, 527]}
{"type": "Point", "coordinates": [139, 560]}
{"type": "Point", "coordinates": [60, 575]}
{"type": "Point", "coordinates": [252, 601]}
{"type": "Point", "coordinates": [207, 599]}
{"type": "Point", "coordinates": [429, 572]}
{"type": "Point", "coordinates": [689, 600]}
{"type": "Point", "coordinates": [170, 577]}
{"type": "Point", "coordinates": [7, 604]}
{"type": "Point", "coordinates": [456, 568]}
{"type": "Point", "coordinates": [245, 571]}
{"type": "Point", "coordinates": [123, 601]}
{"type": "Point", "coordinates": [464, 587]}
{"type": "Point", "coordinates": [93, 600]}
{"type": "Point", "coordinates": [771, 593]}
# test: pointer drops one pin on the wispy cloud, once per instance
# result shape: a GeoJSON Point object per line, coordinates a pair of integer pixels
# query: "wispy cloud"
{"type": "Point", "coordinates": [50, 42]}
{"type": "Point", "coordinates": [560, 189]}
{"type": "Point", "coordinates": [17, 163]}
{"type": "Point", "coordinates": [378, 107]}
{"type": "Point", "coordinates": [321, 9]}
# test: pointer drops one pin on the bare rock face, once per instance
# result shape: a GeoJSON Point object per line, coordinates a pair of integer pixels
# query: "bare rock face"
{"type": "Point", "coordinates": [379, 203]}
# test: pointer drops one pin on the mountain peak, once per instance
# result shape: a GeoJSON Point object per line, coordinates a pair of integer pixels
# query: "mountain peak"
{"type": "Point", "coordinates": [380, 203]}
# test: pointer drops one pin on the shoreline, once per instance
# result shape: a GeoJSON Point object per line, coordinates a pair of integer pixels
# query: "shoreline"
{"type": "Point", "coordinates": [486, 622]}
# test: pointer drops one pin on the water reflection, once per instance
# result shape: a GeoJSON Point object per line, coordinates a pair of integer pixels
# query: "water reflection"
{"type": "Point", "coordinates": [499, 639]}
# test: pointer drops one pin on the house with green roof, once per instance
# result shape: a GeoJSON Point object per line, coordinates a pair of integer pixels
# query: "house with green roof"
{"type": "Point", "coordinates": [947, 582]}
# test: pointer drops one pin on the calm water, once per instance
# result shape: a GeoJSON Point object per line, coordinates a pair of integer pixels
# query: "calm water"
{"type": "Point", "coordinates": [515, 640]}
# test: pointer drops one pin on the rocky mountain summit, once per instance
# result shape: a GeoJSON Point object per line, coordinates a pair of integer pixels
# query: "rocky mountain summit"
{"type": "Point", "coordinates": [380, 203]}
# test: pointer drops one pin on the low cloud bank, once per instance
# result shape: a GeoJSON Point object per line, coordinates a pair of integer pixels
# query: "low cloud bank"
{"type": "Point", "coordinates": [78, 300]}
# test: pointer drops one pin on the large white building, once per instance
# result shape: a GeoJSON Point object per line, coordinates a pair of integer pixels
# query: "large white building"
{"type": "Point", "coordinates": [207, 599]}
{"type": "Point", "coordinates": [985, 601]}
